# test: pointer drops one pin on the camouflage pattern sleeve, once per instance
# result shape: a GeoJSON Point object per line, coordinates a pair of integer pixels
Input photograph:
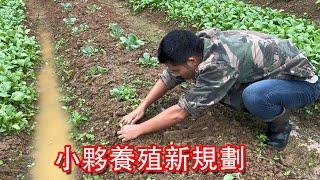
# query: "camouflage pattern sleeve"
{"type": "Point", "coordinates": [212, 84]}
{"type": "Point", "coordinates": [208, 33]}
{"type": "Point", "coordinates": [169, 79]}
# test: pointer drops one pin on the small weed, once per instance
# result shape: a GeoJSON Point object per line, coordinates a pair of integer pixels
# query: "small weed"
{"type": "Point", "coordinates": [76, 118]}
{"type": "Point", "coordinates": [86, 137]}
{"type": "Point", "coordinates": [309, 112]}
{"type": "Point", "coordinates": [131, 42]}
{"type": "Point", "coordinates": [92, 177]}
{"type": "Point", "coordinates": [148, 61]}
{"type": "Point", "coordinates": [276, 157]}
{"type": "Point", "coordinates": [97, 71]}
{"type": "Point", "coordinates": [66, 100]}
{"type": "Point", "coordinates": [93, 8]}
{"type": "Point", "coordinates": [142, 83]}
{"type": "Point", "coordinates": [59, 43]}
{"type": "Point", "coordinates": [261, 147]}
{"type": "Point", "coordinates": [64, 71]}
{"type": "Point", "coordinates": [85, 110]}
{"type": "Point", "coordinates": [30, 165]}
{"type": "Point", "coordinates": [185, 85]}
{"type": "Point", "coordinates": [21, 177]}
{"type": "Point", "coordinates": [115, 30]}
{"type": "Point", "coordinates": [104, 142]}
{"type": "Point", "coordinates": [287, 173]}
{"type": "Point", "coordinates": [314, 109]}
{"type": "Point", "coordinates": [312, 162]}
{"type": "Point", "coordinates": [152, 111]}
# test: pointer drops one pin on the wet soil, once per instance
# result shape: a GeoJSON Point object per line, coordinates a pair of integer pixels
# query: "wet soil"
{"type": "Point", "coordinates": [51, 130]}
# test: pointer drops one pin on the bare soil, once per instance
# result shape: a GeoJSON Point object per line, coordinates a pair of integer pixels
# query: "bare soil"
{"type": "Point", "coordinates": [300, 8]}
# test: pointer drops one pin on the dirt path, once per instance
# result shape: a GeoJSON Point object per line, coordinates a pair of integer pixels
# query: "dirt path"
{"type": "Point", "coordinates": [51, 130]}
{"type": "Point", "coordinates": [220, 125]}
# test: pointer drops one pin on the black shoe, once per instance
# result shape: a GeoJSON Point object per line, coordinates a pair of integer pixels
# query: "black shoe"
{"type": "Point", "coordinates": [279, 130]}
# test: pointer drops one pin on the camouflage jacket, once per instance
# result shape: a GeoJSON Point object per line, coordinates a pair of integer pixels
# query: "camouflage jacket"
{"type": "Point", "coordinates": [231, 61]}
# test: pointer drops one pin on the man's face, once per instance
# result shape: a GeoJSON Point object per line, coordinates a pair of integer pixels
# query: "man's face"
{"type": "Point", "coordinates": [187, 70]}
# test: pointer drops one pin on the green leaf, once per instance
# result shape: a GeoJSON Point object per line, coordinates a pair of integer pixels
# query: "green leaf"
{"type": "Point", "coordinates": [16, 126]}
{"type": "Point", "coordinates": [5, 86]}
{"type": "Point", "coordinates": [18, 96]}
{"type": "Point", "coordinates": [229, 177]}
{"type": "Point", "coordinates": [146, 55]}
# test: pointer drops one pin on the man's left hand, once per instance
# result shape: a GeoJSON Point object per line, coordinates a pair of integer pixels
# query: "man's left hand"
{"type": "Point", "coordinates": [129, 132]}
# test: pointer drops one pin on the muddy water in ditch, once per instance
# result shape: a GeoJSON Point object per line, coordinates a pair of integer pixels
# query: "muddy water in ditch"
{"type": "Point", "coordinates": [52, 129]}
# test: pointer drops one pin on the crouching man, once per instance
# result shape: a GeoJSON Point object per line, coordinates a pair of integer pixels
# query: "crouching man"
{"type": "Point", "coordinates": [247, 71]}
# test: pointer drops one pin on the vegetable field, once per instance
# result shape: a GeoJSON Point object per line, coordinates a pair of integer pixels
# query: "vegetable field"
{"type": "Point", "coordinates": [18, 56]}
{"type": "Point", "coordinates": [105, 58]}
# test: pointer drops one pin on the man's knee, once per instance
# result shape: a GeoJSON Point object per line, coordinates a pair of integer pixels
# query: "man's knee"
{"type": "Point", "coordinates": [252, 97]}
{"type": "Point", "coordinates": [260, 101]}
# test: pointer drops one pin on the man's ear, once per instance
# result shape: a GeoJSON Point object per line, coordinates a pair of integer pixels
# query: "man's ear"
{"type": "Point", "coordinates": [193, 60]}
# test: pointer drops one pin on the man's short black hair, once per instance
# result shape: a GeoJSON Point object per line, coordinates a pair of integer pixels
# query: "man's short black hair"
{"type": "Point", "coordinates": [178, 45]}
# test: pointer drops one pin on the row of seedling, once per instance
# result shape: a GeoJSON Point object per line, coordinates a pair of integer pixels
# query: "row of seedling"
{"type": "Point", "coordinates": [87, 51]}
{"type": "Point", "coordinates": [132, 42]}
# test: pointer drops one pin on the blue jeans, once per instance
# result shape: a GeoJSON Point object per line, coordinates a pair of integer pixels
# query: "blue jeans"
{"type": "Point", "coordinates": [267, 99]}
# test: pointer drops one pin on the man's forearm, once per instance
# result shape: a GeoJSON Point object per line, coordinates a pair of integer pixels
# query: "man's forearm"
{"type": "Point", "coordinates": [157, 91]}
{"type": "Point", "coordinates": [167, 118]}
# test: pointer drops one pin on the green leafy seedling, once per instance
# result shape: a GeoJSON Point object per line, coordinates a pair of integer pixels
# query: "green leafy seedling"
{"type": "Point", "coordinates": [276, 157]}
{"type": "Point", "coordinates": [97, 70]}
{"type": "Point", "coordinates": [151, 178]}
{"type": "Point", "coordinates": [92, 177]}
{"type": "Point", "coordinates": [69, 21]}
{"type": "Point", "coordinates": [125, 93]}
{"type": "Point", "coordinates": [287, 173]}
{"type": "Point", "coordinates": [76, 118]}
{"type": "Point", "coordinates": [115, 30]}
{"type": "Point", "coordinates": [148, 61]}
{"type": "Point", "coordinates": [66, 6]}
{"type": "Point", "coordinates": [88, 51]}
{"type": "Point", "coordinates": [131, 42]}
{"type": "Point", "coordinates": [82, 27]}
{"type": "Point", "coordinates": [231, 176]}
{"type": "Point", "coordinates": [262, 137]}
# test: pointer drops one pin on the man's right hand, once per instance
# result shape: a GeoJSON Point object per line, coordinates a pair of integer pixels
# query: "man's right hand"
{"type": "Point", "coordinates": [157, 91]}
{"type": "Point", "coordinates": [132, 117]}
